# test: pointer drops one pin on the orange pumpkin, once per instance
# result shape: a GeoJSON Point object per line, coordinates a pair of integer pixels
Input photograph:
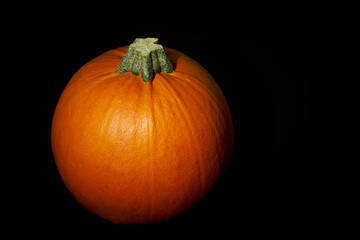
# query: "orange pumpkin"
{"type": "Point", "coordinates": [136, 151]}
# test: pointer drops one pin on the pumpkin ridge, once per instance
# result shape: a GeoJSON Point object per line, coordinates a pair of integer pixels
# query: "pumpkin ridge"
{"type": "Point", "coordinates": [215, 106]}
{"type": "Point", "coordinates": [152, 150]}
{"type": "Point", "coordinates": [85, 80]}
{"type": "Point", "coordinates": [198, 83]}
{"type": "Point", "coordinates": [120, 49]}
{"type": "Point", "coordinates": [191, 130]}
{"type": "Point", "coordinates": [198, 88]}
{"type": "Point", "coordinates": [141, 100]}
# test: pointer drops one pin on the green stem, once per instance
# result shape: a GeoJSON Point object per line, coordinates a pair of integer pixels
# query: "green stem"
{"type": "Point", "coordinates": [145, 57]}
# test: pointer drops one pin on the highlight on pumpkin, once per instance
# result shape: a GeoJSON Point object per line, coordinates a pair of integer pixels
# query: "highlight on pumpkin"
{"type": "Point", "coordinates": [145, 57]}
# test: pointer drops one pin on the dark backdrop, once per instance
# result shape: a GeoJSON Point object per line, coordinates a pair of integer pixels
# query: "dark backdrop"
{"type": "Point", "coordinates": [268, 183]}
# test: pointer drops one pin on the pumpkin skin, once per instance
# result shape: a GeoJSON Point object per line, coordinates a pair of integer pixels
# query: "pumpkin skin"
{"type": "Point", "coordinates": [134, 152]}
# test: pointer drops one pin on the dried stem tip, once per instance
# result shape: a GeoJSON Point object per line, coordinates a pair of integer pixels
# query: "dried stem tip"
{"type": "Point", "coordinates": [145, 57]}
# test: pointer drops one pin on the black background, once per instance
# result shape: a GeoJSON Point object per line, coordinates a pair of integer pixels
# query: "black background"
{"type": "Point", "coordinates": [269, 184]}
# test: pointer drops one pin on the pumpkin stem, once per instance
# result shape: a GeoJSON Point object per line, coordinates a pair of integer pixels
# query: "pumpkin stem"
{"type": "Point", "coordinates": [145, 57]}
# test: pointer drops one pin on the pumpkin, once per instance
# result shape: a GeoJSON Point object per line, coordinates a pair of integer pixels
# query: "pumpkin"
{"type": "Point", "coordinates": [141, 133]}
